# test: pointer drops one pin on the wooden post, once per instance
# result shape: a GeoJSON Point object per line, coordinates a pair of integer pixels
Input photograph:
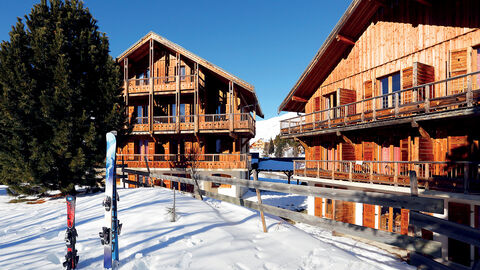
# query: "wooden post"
{"type": "Point", "coordinates": [363, 111]}
{"type": "Point", "coordinates": [123, 172]}
{"type": "Point", "coordinates": [230, 99]}
{"type": "Point", "coordinates": [318, 169]}
{"type": "Point", "coordinates": [469, 92]}
{"type": "Point", "coordinates": [259, 198]}
{"type": "Point", "coordinates": [427, 98]}
{"type": "Point", "coordinates": [374, 109]}
{"type": "Point", "coordinates": [195, 100]}
{"type": "Point", "coordinates": [177, 95]}
{"type": "Point", "coordinates": [125, 79]}
{"type": "Point", "coordinates": [395, 173]}
{"type": "Point", "coordinates": [148, 169]}
{"type": "Point", "coordinates": [371, 172]}
{"type": "Point", "coordinates": [350, 171]}
{"type": "Point", "coordinates": [413, 184]}
{"type": "Point", "coordinates": [397, 101]}
{"type": "Point", "coordinates": [466, 176]}
{"type": "Point", "coordinates": [150, 80]}
{"type": "Point", "coordinates": [333, 170]}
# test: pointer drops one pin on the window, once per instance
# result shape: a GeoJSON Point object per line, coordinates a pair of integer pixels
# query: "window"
{"type": "Point", "coordinates": [142, 114]}
{"type": "Point", "coordinates": [182, 73]}
{"type": "Point", "coordinates": [390, 84]}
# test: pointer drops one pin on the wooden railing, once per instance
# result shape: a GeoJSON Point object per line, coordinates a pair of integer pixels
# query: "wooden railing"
{"type": "Point", "coordinates": [165, 83]}
{"type": "Point", "coordinates": [460, 176]}
{"type": "Point", "coordinates": [241, 122]}
{"type": "Point", "coordinates": [450, 94]}
{"type": "Point", "coordinates": [202, 161]}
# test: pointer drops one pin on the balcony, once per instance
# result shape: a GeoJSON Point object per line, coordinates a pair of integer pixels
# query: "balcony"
{"type": "Point", "coordinates": [461, 176]}
{"type": "Point", "coordinates": [200, 161]}
{"type": "Point", "coordinates": [237, 122]}
{"type": "Point", "coordinates": [439, 99]}
{"type": "Point", "coordinates": [160, 84]}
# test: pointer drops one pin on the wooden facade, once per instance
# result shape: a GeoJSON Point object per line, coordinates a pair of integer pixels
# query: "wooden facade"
{"type": "Point", "coordinates": [395, 88]}
{"type": "Point", "coordinates": [182, 108]}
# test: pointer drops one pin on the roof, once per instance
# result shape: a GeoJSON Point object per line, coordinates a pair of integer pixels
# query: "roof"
{"type": "Point", "coordinates": [202, 62]}
{"type": "Point", "coordinates": [350, 27]}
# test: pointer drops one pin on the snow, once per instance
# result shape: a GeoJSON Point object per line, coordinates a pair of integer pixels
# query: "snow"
{"type": "Point", "coordinates": [269, 128]}
{"type": "Point", "coordinates": [207, 235]}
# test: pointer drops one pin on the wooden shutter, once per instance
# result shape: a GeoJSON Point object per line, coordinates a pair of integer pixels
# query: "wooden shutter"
{"type": "Point", "coordinates": [329, 208]}
{"type": "Point", "coordinates": [458, 66]}
{"type": "Point", "coordinates": [369, 215]}
{"type": "Point", "coordinates": [318, 207]}
{"type": "Point", "coordinates": [345, 211]}
{"type": "Point", "coordinates": [348, 151]}
{"type": "Point", "coordinates": [404, 221]}
{"type": "Point", "coordinates": [367, 93]}
{"type": "Point", "coordinates": [131, 110]}
{"type": "Point", "coordinates": [368, 151]}
{"type": "Point", "coordinates": [151, 149]}
{"type": "Point", "coordinates": [425, 149]}
{"type": "Point", "coordinates": [131, 150]}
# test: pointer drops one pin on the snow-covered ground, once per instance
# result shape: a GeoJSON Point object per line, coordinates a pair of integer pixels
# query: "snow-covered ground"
{"type": "Point", "coordinates": [207, 235]}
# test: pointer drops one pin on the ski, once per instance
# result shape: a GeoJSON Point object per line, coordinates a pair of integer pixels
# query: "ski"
{"type": "Point", "coordinates": [71, 259]}
{"type": "Point", "coordinates": [111, 229]}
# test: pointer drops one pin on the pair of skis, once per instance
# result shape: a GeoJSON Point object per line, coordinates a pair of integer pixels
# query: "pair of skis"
{"type": "Point", "coordinates": [71, 259]}
{"type": "Point", "coordinates": [112, 228]}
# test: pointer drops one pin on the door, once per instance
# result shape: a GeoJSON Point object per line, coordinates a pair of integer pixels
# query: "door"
{"type": "Point", "coordinates": [369, 215]}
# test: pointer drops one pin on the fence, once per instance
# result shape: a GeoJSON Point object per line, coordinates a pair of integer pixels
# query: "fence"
{"type": "Point", "coordinates": [416, 244]}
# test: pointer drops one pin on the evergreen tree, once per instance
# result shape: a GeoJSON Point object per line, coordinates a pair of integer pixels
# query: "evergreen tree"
{"type": "Point", "coordinates": [59, 95]}
{"type": "Point", "coordinates": [271, 147]}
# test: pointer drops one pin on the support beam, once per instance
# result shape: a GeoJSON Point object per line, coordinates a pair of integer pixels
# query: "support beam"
{"type": "Point", "coordinates": [230, 99]}
{"type": "Point", "coordinates": [177, 94]}
{"type": "Point", "coordinates": [345, 40]}
{"type": "Point", "coordinates": [196, 101]}
{"type": "Point", "coordinates": [424, 133]}
{"type": "Point", "coordinates": [150, 80]}
{"type": "Point", "coordinates": [259, 200]}
{"type": "Point", "coordinates": [302, 143]}
{"type": "Point", "coordinates": [345, 138]}
{"type": "Point", "coordinates": [125, 79]}
{"type": "Point", "coordinates": [299, 99]}
{"type": "Point", "coordinates": [424, 2]}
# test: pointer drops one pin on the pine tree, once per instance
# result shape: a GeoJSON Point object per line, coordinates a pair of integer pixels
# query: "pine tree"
{"type": "Point", "coordinates": [271, 147]}
{"type": "Point", "coordinates": [59, 95]}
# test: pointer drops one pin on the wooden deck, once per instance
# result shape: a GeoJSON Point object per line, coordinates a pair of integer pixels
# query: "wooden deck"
{"type": "Point", "coordinates": [443, 176]}
{"type": "Point", "coordinates": [454, 94]}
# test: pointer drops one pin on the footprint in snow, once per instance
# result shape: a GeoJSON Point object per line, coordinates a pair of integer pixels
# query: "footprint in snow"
{"type": "Point", "coordinates": [240, 266]}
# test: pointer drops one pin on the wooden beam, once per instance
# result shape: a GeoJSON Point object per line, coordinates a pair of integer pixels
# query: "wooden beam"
{"type": "Point", "coordinates": [305, 146]}
{"type": "Point", "coordinates": [379, 2]}
{"type": "Point", "coordinates": [345, 39]}
{"type": "Point", "coordinates": [450, 229]}
{"type": "Point", "coordinates": [299, 99]}
{"type": "Point", "coordinates": [424, 133]}
{"type": "Point", "coordinates": [423, 204]}
{"type": "Point", "coordinates": [259, 200]}
{"type": "Point", "coordinates": [424, 2]}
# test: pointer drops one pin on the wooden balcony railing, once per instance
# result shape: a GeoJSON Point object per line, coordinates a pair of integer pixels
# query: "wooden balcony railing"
{"type": "Point", "coordinates": [166, 83]}
{"type": "Point", "coordinates": [238, 122]}
{"type": "Point", "coordinates": [453, 93]}
{"type": "Point", "coordinates": [200, 161]}
{"type": "Point", "coordinates": [460, 176]}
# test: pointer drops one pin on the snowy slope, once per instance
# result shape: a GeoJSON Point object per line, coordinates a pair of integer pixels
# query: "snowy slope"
{"type": "Point", "coordinates": [269, 128]}
{"type": "Point", "coordinates": [207, 235]}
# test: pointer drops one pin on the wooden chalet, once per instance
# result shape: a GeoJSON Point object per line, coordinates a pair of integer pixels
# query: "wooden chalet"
{"type": "Point", "coordinates": [185, 111]}
{"type": "Point", "coordinates": [395, 88]}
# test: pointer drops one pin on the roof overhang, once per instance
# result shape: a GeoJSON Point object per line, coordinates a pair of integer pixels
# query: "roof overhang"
{"type": "Point", "coordinates": [249, 89]}
{"type": "Point", "coordinates": [338, 44]}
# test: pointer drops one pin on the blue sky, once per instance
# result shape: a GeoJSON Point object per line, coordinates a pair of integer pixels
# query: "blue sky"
{"type": "Point", "coordinates": [267, 43]}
